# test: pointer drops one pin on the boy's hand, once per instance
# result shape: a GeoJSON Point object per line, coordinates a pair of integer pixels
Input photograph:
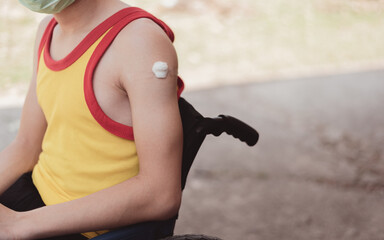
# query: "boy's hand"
{"type": "Point", "coordinates": [8, 223]}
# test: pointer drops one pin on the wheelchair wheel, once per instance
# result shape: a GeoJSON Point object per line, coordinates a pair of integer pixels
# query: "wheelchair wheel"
{"type": "Point", "coordinates": [191, 237]}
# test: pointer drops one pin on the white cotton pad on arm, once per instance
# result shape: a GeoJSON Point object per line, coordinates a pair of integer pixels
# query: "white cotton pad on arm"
{"type": "Point", "coordinates": [160, 69]}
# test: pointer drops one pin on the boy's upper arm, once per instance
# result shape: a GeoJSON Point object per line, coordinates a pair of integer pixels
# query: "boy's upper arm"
{"type": "Point", "coordinates": [154, 104]}
{"type": "Point", "coordinates": [32, 123]}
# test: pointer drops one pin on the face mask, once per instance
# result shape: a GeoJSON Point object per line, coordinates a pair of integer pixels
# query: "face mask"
{"type": "Point", "coordinates": [46, 6]}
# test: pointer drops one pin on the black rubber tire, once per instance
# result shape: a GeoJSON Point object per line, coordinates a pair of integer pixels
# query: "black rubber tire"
{"type": "Point", "coordinates": [191, 237]}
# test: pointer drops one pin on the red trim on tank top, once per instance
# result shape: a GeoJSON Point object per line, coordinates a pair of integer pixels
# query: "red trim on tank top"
{"type": "Point", "coordinates": [117, 22]}
{"type": "Point", "coordinates": [83, 46]}
{"type": "Point", "coordinates": [106, 122]}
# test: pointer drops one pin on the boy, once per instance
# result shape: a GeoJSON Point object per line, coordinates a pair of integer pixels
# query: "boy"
{"type": "Point", "coordinates": [100, 67]}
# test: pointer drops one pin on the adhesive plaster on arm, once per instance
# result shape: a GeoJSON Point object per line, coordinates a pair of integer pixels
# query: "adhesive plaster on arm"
{"type": "Point", "coordinates": [160, 69]}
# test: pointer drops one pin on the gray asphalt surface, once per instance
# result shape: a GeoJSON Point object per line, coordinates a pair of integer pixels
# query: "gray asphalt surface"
{"type": "Point", "coordinates": [316, 173]}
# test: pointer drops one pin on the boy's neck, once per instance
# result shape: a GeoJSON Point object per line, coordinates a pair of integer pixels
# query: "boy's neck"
{"type": "Point", "coordinates": [83, 15]}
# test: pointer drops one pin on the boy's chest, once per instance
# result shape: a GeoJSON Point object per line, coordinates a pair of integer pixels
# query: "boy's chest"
{"type": "Point", "coordinates": [109, 94]}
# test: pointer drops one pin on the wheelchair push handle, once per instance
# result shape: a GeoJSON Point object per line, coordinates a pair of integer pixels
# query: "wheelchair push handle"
{"type": "Point", "coordinates": [232, 126]}
{"type": "Point", "coordinates": [240, 130]}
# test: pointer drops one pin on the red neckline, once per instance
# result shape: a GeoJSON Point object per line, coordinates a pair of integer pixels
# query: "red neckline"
{"type": "Point", "coordinates": [78, 51]}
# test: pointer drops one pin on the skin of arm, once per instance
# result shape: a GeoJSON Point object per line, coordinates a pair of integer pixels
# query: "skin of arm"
{"type": "Point", "coordinates": [22, 154]}
{"type": "Point", "coordinates": [155, 193]}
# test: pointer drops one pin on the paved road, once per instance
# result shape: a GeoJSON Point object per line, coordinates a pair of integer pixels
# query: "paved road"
{"type": "Point", "coordinates": [317, 172]}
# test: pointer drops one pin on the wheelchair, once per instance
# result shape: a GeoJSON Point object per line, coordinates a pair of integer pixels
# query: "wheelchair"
{"type": "Point", "coordinates": [195, 128]}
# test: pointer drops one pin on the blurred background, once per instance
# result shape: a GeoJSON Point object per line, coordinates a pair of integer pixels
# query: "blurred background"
{"type": "Point", "coordinates": [225, 42]}
{"type": "Point", "coordinates": [307, 74]}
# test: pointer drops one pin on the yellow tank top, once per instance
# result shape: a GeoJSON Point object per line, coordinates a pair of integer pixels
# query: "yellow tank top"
{"type": "Point", "coordinates": [83, 150]}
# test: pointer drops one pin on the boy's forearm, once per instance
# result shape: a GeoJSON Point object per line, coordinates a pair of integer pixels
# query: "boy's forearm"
{"type": "Point", "coordinates": [14, 161]}
{"type": "Point", "coordinates": [127, 203]}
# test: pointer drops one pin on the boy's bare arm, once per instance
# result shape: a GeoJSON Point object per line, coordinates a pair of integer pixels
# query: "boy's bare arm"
{"type": "Point", "coordinates": [155, 193]}
{"type": "Point", "coordinates": [22, 154]}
